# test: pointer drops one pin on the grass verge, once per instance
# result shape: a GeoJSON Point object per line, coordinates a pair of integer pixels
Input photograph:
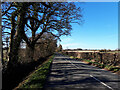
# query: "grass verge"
{"type": "Point", "coordinates": [100, 65]}
{"type": "Point", "coordinates": [38, 77]}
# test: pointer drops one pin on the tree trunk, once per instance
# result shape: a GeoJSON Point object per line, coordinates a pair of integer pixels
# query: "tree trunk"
{"type": "Point", "coordinates": [30, 52]}
{"type": "Point", "coordinates": [15, 42]}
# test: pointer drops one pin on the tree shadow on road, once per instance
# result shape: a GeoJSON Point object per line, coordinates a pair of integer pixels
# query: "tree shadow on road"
{"type": "Point", "coordinates": [63, 73]}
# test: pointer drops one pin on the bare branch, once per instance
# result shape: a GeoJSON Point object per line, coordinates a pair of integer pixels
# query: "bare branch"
{"type": "Point", "coordinates": [7, 9]}
{"type": "Point", "coordinates": [40, 21]}
{"type": "Point", "coordinates": [26, 39]}
{"type": "Point", "coordinates": [54, 35]}
{"type": "Point", "coordinates": [7, 32]}
{"type": "Point", "coordinates": [43, 3]}
{"type": "Point", "coordinates": [6, 27]}
{"type": "Point", "coordinates": [29, 26]}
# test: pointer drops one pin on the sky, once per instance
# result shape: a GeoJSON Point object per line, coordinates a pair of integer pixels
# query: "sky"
{"type": "Point", "coordinates": [99, 30]}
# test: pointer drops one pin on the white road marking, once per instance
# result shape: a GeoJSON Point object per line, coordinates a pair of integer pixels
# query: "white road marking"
{"type": "Point", "coordinates": [93, 77]}
{"type": "Point", "coordinates": [74, 65]}
{"type": "Point", "coordinates": [102, 82]}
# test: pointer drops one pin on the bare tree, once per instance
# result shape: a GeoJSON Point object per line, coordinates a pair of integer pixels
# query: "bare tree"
{"type": "Point", "coordinates": [13, 17]}
{"type": "Point", "coordinates": [54, 18]}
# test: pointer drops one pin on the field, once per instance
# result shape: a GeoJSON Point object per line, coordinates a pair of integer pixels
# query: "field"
{"type": "Point", "coordinates": [92, 51]}
{"type": "Point", "coordinates": [82, 51]}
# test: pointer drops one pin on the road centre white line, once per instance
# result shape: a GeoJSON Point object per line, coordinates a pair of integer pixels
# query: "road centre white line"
{"type": "Point", "coordinates": [93, 77]}
{"type": "Point", "coordinates": [101, 82]}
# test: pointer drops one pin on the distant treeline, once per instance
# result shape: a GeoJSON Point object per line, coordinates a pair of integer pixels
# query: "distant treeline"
{"type": "Point", "coordinates": [101, 50]}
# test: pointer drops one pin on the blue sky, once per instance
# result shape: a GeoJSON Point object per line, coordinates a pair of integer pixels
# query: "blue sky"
{"type": "Point", "coordinates": [99, 30]}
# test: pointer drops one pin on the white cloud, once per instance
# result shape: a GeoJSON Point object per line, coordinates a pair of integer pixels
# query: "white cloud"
{"type": "Point", "coordinates": [72, 45]}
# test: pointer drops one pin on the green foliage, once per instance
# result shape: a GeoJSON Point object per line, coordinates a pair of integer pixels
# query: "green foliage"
{"type": "Point", "coordinates": [37, 78]}
{"type": "Point", "coordinates": [108, 67]}
{"type": "Point", "coordinates": [105, 59]}
{"type": "Point", "coordinates": [71, 57]}
{"type": "Point", "coordinates": [115, 70]}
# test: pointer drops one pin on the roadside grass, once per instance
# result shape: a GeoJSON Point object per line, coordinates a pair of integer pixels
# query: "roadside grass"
{"type": "Point", "coordinates": [100, 65]}
{"type": "Point", "coordinates": [71, 57]}
{"type": "Point", "coordinates": [97, 64]}
{"type": "Point", "coordinates": [38, 77]}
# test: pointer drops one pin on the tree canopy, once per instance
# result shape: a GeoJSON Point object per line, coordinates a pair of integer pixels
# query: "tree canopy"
{"type": "Point", "coordinates": [26, 20]}
{"type": "Point", "coordinates": [51, 17]}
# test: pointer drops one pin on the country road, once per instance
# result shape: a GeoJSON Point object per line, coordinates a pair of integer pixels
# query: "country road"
{"type": "Point", "coordinates": [67, 73]}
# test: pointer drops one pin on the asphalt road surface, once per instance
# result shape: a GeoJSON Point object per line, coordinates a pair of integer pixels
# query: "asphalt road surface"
{"type": "Point", "coordinates": [67, 73]}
